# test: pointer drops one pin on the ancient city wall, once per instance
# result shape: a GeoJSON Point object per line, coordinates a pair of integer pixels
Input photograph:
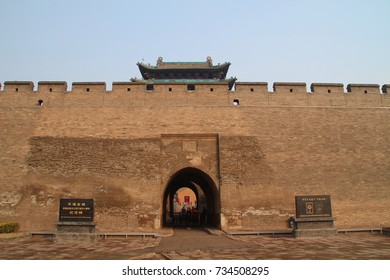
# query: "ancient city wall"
{"type": "Point", "coordinates": [108, 145]}
{"type": "Point", "coordinates": [213, 94]}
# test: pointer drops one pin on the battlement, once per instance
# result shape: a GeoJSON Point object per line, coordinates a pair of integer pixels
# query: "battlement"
{"type": "Point", "coordinates": [192, 86]}
{"type": "Point", "coordinates": [52, 86]}
{"type": "Point", "coordinates": [289, 87]}
{"type": "Point", "coordinates": [193, 93]}
{"type": "Point", "coordinates": [327, 88]}
{"type": "Point", "coordinates": [18, 86]}
{"type": "Point", "coordinates": [363, 88]}
{"type": "Point", "coordinates": [255, 87]}
{"type": "Point", "coordinates": [88, 86]}
{"type": "Point", "coordinates": [127, 86]}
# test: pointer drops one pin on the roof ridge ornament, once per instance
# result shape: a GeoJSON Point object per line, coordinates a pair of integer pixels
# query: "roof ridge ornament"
{"type": "Point", "coordinates": [209, 61]}
{"type": "Point", "coordinates": [159, 61]}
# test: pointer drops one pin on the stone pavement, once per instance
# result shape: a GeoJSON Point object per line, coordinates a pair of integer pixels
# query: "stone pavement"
{"type": "Point", "coordinates": [192, 239]}
{"type": "Point", "coordinates": [198, 245]}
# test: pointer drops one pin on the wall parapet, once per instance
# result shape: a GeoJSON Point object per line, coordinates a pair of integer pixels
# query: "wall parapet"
{"type": "Point", "coordinates": [177, 87]}
{"type": "Point", "coordinates": [52, 86]}
{"type": "Point", "coordinates": [260, 87]}
{"type": "Point", "coordinates": [128, 87]}
{"type": "Point", "coordinates": [289, 87]}
{"type": "Point", "coordinates": [327, 88]}
{"type": "Point", "coordinates": [363, 88]}
{"type": "Point", "coordinates": [88, 86]}
{"type": "Point", "coordinates": [18, 86]}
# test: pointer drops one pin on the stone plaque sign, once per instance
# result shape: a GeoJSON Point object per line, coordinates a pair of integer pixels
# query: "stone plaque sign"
{"type": "Point", "coordinates": [313, 206]}
{"type": "Point", "coordinates": [76, 210]}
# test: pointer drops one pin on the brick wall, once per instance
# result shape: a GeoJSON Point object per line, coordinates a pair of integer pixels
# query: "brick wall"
{"type": "Point", "coordinates": [108, 145]}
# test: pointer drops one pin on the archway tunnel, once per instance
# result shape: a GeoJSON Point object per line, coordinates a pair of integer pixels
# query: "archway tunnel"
{"type": "Point", "coordinates": [191, 199]}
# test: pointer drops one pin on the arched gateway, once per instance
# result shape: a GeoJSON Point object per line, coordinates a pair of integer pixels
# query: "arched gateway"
{"type": "Point", "coordinates": [207, 196]}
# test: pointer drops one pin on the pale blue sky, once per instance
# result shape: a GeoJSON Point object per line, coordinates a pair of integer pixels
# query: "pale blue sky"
{"type": "Point", "coordinates": [266, 41]}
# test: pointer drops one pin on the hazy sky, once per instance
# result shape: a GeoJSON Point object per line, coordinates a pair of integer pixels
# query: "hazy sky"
{"type": "Point", "coordinates": [266, 41]}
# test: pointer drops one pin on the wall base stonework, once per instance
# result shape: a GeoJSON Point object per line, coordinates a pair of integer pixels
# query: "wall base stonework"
{"type": "Point", "coordinates": [314, 227]}
{"type": "Point", "coordinates": [76, 227]}
{"type": "Point", "coordinates": [325, 232]}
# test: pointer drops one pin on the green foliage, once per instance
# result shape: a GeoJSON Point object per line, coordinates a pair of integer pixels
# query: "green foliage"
{"type": "Point", "coordinates": [8, 227]}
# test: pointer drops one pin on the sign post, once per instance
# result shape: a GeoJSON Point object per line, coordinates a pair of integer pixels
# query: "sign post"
{"type": "Point", "coordinates": [76, 210]}
{"type": "Point", "coordinates": [76, 216]}
{"type": "Point", "coordinates": [314, 216]}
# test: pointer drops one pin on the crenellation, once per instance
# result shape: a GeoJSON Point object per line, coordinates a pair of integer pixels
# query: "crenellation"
{"type": "Point", "coordinates": [164, 88]}
{"type": "Point", "coordinates": [291, 87]}
{"type": "Point", "coordinates": [18, 86]}
{"type": "Point", "coordinates": [88, 87]}
{"type": "Point", "coordinates": [327, 88]}
{"type": "Point", "coordinates": [363, 88]}
{"type": "Point", "coordinates": [128, 87]}
{"type": "Point", "coordinates": [255, 87]}
{"type": "Point", "coordinates": [52, 86]}
{"type": "Point", "coordinates": [212, 87]}
{"type": "Point", "coordinates": [190, 87]}
{"type": "Point", "coordinates": [139, 93]}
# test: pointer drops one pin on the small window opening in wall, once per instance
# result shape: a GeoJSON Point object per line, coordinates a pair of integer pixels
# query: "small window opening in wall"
{"type": "Point", "coordinates": [40, 102]}
{"type": "Point", "coordinates": [191, 87]}
{"type": "Point", "coordinates": [170, 89]}
{"type": "Point", "coordinates": [16, 89]}
{"type": "Point", "coordinates": [365, 92]}
{"type": "Point", "coordinates": [329, 91]}
{"type": "Point", "coordinates": [128, 89]}
{"type": "Point", "coordinates": [149, 87]}
{"type": "Point", "coordinates": [291, 90]}
{"type": "Point", "coordinates": [252, 89]}
{"type": "Point", "coordinates": [50, 89]}
{"type": "Point", "coordinates": [87, 89]}
{"type": "Point", "coordinates": [236, 102]}
{"type": "Point", "coordinates": [211, 89]}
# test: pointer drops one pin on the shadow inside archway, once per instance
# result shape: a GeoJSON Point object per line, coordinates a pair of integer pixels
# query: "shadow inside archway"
{"type": "Point", "coordinates": [206, 209]}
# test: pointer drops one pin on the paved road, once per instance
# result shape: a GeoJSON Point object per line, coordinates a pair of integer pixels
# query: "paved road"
{"type": "Point", "coordinates": [188, 240]}
{"type": "Point", "coordinates": [197, 244]}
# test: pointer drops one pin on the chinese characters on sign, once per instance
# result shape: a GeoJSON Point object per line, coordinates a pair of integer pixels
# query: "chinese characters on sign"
{"type": "Point", "coordinates": [313, 206]}
{"type": "Point", "coordinates": [76, 210]}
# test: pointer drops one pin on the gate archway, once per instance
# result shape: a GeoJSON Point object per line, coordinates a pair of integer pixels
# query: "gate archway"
{"type": "Point", "coordinates": [207, 196]}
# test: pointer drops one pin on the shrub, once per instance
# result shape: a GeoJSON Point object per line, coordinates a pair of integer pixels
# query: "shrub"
{"type": "Point", "coordinates": [8, 227]}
